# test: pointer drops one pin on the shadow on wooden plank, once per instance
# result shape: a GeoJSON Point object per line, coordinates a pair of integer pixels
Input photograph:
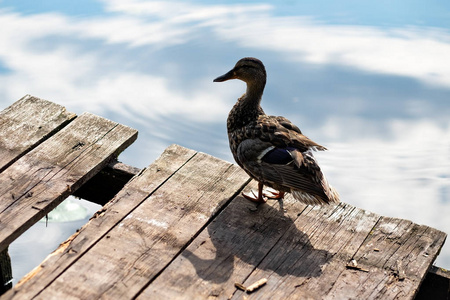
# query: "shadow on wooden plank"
{"type": "Point", "coordinates": [253, 236]}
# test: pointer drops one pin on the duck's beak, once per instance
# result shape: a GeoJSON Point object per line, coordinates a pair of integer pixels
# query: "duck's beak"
{"type": "Point", "coordinates": [225, 77]}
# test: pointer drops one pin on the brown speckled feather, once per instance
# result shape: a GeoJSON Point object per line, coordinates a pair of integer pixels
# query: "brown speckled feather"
{"type": "Point", "coordinates": [282, 133]}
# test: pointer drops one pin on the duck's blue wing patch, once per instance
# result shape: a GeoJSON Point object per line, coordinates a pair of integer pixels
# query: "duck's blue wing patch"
{"type": "Point", "coordinates": [279, 156]}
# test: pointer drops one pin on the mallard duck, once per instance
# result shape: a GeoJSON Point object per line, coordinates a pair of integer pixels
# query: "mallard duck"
{"type": "Point", "coordinates": [271, 149]}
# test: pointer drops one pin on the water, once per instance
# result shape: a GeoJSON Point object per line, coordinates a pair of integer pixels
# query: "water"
{"type": "Point", "coordinates": [32, 247]}
{"type": "Point", "coordinates": [370, 81]}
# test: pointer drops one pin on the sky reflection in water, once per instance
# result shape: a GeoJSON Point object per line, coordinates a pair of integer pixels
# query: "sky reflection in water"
{"type": "Point", "coordinates": [371, 82]}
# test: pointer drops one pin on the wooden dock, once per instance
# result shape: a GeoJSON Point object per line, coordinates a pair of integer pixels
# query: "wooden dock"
{"type": "Point", "coordinates": [180, 229]}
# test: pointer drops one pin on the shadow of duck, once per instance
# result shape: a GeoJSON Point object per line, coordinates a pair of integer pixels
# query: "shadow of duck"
{"type": "Point", "coordinates": [244, 237]}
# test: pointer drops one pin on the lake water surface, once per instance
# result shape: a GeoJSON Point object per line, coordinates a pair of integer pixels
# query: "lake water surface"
{"type": "Point", "coordinates": [371, 82]}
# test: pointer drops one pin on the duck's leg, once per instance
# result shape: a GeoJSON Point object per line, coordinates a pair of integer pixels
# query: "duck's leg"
{"type": "Point", "coordinates": [252, 197]}
{"type": "Point", "coordinates": [271, 193]}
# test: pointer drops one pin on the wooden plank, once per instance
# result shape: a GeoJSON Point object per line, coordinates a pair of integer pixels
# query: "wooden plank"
{"type": "Point", "coordinates": [224, 253]}
{"type": "Point", "coordinates": [338, 232]}
{"type": "Point", "coordinates": [25, 124]}
{"type": "Point", "coordinates": [397, 255]}
{"type": "Point", "coordinates": [172, 233]}
{"type": "Point", "coordinates": [289, 247]}
{"type": "Point", "coordinates": [126, 201]}
{"type": "Point", "coordinates": [40, 180]}
{"type": "Point", "coordinates": [307, 258]}
{"type": "Point", "coordinates": [141, 245]}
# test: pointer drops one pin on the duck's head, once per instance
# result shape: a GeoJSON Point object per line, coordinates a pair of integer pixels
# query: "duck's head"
{"type": "Point", "coordinates": [248, 69]}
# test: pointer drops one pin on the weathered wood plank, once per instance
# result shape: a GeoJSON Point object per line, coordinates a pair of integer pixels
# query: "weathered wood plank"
{"type": "Point", "coordinates": [130, 197]}
{"type": "Point", "coordinates": [153, 234]}
{"type": "Point", "coordinates": [27, 123]}
{"type": "Point", "coordinates": [305, 257]}
{"type": "Point", "coordinates": [173, 233]}
{"type": "Point", "coordinates": [224, 253]}
{"type": "Point", "coordinates": [288, 247]}
{"type": "Point", "coordinates": [338, 231]}
{"type": "Point", "coordinates": [397, 254]}
{"type": "Point", "coordinates": [40, 180]}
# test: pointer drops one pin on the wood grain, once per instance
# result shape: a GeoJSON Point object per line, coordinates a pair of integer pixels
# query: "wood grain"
{"type": "Point", "coordinates": [154, 231]}
{"type": "Point", "coordinates": [397, 254]}
{"type": "Point", "coordinates": [334, 233]}
{"type": "Point", "coordinates": [304, 253]}
{"type": "Point", "coordinates": [226, 252]}
{"type": "Point", "coordinates": [131, 196]}
{"type": "Point", "coordinates": [180, 230]}
{"type": "Point", "coordinates": [27, 123]}
{"type": "Point", "coordinates": [37, 182]}
{"type": "Point", "coordinates": [289, 246]}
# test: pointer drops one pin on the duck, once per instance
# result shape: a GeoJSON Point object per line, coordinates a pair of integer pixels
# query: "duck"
{"type": "Point", "coordinates": [271, 149]}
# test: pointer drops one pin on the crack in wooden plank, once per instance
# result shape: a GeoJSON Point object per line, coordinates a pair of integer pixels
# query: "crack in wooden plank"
{"type": "Point", "coordinates": [186, 245]}
{"type": "Point", "coordinates": [235, 177]}
{"type": "Point", "coordinates": [26, 192]}
{"type": "Point", "coordinates": [62, 170]}
{"type": "Point", "coordinates": [275, 244]}
{"type": "Point", "coordinates": [85, 251]}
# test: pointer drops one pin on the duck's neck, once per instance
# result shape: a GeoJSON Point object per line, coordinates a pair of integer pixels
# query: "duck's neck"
{"type": "Point", "coordinates": [247, 109]}
{"type": "Point", "coordinates": [251, 100]}
{"type": "Point", "coordinates": [254, 92]}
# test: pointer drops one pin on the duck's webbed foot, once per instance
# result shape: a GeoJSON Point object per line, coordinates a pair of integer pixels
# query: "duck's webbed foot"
{"type": "Point", "coordinates": [256, 198]}
{"type": "Point", "coordinates": [273, 194]}
{"type": "Point", "coordinates": [262, 196]}
{"type": "Point", "coordinates": [252, 196]}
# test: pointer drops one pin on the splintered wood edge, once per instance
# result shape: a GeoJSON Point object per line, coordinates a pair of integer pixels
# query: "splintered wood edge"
{"type": "Point", "coordinates": [207, 178]}
{"type": "Point", "coordinates": [124, 137]}
{"type": "Point", "coordinates": [61, 248]}
{"type": "Point", "coordinates": [171, 150]}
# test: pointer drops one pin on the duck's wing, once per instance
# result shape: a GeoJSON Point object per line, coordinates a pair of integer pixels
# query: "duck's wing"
{"type": "Point", "coordinates": [279, 154]}
{"type": "Point", "coordinates": [284, 168]}
{"type": "Point", "coordinates": [305, 176]}
{"type": "Point", "coordinates": [283, 133]}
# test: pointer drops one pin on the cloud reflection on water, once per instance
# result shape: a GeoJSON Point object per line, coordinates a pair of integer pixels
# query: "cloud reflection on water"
{"type": "Point", "coordinates": [377, 97]}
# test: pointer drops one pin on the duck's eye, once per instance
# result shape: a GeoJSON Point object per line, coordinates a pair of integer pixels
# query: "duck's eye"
{"type": "Point", "coordinates": [246, 67]}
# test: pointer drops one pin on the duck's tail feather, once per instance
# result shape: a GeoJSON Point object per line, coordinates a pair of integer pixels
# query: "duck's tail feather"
{"type": "Point", "coordinates": [329, 196]}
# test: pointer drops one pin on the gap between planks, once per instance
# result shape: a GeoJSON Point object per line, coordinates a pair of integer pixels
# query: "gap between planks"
{"type": "Point", "coordinates": [50, 172]}
{"type": "Point", "coordinates": [320, 228]}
